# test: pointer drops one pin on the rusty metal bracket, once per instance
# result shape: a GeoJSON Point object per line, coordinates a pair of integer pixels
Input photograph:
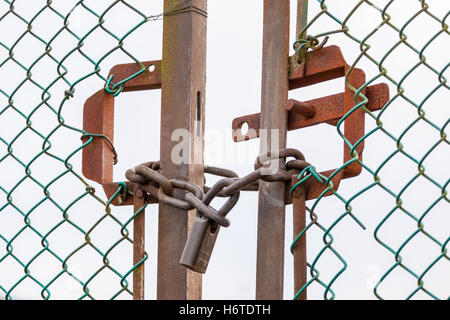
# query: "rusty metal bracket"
{"type": "Point", "coordinates": [323, 65]}
{"type": "Point", "coordinates": [98, 119]}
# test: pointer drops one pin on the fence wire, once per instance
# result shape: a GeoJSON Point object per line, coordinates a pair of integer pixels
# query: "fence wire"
{"type": "Point", "coordinates": [364, 42]}
{"type": "Point", "coordinates": [44, 47]}
{"type": "Point", "coordinates": [56, 93]}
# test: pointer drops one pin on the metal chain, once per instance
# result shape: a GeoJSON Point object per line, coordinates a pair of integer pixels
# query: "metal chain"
{"type": "Point", "coordinates": [148, 175]}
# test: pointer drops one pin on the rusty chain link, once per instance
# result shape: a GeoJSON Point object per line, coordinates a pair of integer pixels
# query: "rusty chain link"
{"type": "Point", "coordinates": [148, 175]}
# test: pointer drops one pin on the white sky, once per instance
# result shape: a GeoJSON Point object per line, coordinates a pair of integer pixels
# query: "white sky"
{"type": "Point", "coordinates": [233, 90]}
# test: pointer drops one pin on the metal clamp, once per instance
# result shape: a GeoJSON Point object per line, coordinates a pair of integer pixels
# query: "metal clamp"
{"type": "Point", "coordinates": [98, 120]}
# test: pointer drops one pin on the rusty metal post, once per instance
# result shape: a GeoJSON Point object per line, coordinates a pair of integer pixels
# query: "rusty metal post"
{"type": "Point", "coordinates": [299, 196]}
{"type": "Point", "coordinates": [182, 102]}
{"type": "Point", "coordinates": [302, 15]}
{"type": "Point", "coordinates": [299, 249]}
{"type": "Point", "coordinates": [271, 203]}
{"type": "Point", "coordinates": [138, 244]}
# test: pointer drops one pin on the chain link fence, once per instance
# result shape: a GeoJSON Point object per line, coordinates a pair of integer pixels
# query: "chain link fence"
{"type": "Point", "coordinates": [413, 128]}
{"type": "Point", "coordinates": [46, 233]}
{"type": "Point", "coordinates": [45, 230]}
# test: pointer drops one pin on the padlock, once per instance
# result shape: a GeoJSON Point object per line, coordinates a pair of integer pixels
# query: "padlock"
{"type": "Point", "coordinates": [199, 245]}
{"type": "Point", "coordinates": [203, 234]}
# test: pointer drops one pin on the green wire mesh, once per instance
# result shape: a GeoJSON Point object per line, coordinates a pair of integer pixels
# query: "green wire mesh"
{"type": "Point", "coordinates": [56, 105]}
{"type": "Point", "coordinates": [362, 43]}
{"type": "Point", "coordinates": [47, 48]}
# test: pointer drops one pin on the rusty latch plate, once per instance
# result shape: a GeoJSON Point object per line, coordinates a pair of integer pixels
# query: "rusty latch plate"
{"type": "Point", "coordinates": [323, 65]}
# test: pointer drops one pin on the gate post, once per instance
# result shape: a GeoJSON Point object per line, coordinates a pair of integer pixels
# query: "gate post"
{"type": "Point", "coordinates": [271, 202]}
{"type": "Point", "coordinates": [182, 103]}
{"type": "Point", "coordinates": [139, 244]}
{"type": "Point", "coordinates": [299, 197]}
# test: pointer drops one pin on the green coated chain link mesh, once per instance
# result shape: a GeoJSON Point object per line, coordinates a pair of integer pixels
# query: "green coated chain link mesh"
{"type": "Point", "coordinates": [380, 21]}
{"type": "Point", "coordinates": [45, 48]}
{"type": "Point", "coordinates": [51, 216]}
